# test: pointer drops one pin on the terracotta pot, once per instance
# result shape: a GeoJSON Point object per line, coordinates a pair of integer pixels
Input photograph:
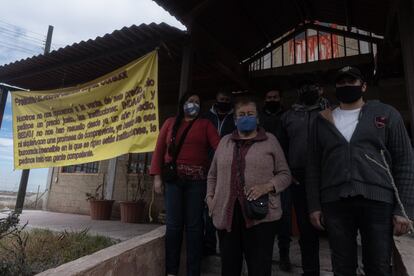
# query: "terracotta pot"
{"type": "Point", "coordinates": [101, 209]}
{"type": "Point", "coordinates": [132, 211]}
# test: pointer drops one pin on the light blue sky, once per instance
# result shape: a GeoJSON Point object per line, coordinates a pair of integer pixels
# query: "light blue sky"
{"type": "Point", "coordinates": [23, 27]}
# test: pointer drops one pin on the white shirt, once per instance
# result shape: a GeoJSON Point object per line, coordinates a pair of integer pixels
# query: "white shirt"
{"type": "Point", "coordinates": [346, 121]}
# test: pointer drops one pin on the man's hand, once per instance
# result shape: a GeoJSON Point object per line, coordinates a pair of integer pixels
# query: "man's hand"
{"type": "Point", "coordinates": [257, 191]}
{"type": "Point", "coordinates": [316, 219]}
{"type": "Point", "coordinates": [401, 225]}
{"type": "Point", "coordinates": [158, 186]}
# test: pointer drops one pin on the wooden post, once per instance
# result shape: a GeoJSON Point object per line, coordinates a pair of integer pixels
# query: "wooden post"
{"type": "Point", "coordinates": [21, 195]}
{"type": "Point", "coordinates": [110, 178]}
{"type": "Point", "coordinates": [48, 43]}
{"type": "Point", "coordinates": [186, 67]}
{"type": "Point", "coordinates": [3, 99]}
{"type": "Point", "coordinates": [406, 23]}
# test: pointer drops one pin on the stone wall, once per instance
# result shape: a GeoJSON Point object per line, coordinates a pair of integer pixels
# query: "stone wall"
{"type": "Point", "coordinates": [140, 256]}
{"type": "Point", "coordinates": [67, 193]}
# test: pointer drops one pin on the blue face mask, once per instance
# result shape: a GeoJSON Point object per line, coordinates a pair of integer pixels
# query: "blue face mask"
{"type": "Point", "coordinates": [191, 109]}
{"type": "Point", "coordinates": [246, 123]}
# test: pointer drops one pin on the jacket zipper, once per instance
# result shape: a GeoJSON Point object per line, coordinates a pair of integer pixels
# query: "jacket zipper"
{"type": "Point", "coordinates": [348, 143]}
{"type": "Point", "coordinates": [220, 124]}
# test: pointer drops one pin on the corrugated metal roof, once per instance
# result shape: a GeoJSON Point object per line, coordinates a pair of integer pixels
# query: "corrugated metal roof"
{"type": "Point", "coordinates": [245, 26]}
{"type": "Point", "coordinates": [90, 59]}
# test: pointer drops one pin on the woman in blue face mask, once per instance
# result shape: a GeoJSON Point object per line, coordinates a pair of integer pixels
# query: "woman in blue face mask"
{"type": "Point", "coordinates": [179, 165]}
{"type": "Point", "coordinates": [246, 177]}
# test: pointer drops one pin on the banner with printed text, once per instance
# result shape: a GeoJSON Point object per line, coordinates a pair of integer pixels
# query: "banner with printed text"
{"type": "Point", "coordinates": [107, 117]}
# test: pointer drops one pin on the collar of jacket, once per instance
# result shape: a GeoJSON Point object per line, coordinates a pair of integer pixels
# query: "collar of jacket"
{"type": "Point", "coordinates": [213, 110]}
{"type": "Point", "coordinates": [322, 105]}
{"type": "Point", "coordinates": [327, 113]}
{"type": "Point", "coordinates": [261, 135]}
{"type": "Point", "coordinates": [280, 111]}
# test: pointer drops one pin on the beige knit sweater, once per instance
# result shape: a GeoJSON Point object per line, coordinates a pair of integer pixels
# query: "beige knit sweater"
{"type": "Point", "coordinates": [259, 170]}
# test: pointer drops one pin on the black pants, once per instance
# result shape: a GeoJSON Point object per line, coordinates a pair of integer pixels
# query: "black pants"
{"type": "Point", "coordinates": [373, 219]}
{"type": "Point", "coordinates": [210, 239]}
{"type": "Point", "coordinates": [255, 243]}
{"type": "Point", "coordinates": [284, 231]}
{"type": "Point", "coordinates": [309, 236]}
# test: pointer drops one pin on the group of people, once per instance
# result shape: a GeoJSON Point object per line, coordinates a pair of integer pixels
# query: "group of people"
{"type": "Point", "coordinates": [239, 169]}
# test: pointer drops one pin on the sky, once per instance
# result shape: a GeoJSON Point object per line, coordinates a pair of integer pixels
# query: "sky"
{"type": "Point", "coordinates": [23, 28]}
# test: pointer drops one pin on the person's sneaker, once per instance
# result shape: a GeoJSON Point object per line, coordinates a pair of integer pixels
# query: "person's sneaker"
{"type": "Point", "coordinates": [285, 264]}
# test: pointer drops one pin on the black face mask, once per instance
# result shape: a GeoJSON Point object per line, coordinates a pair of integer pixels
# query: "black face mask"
{"type": "Point", "coordinates": [348, 94]}
{"type": "Point", "coordinates": [309, 97]}
{"type": "Point", "coordinates": [223, 106]}
{"type": "Point", "coordinates": [272, 106]}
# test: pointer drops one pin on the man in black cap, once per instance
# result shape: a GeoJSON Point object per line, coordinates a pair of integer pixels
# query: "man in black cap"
{"type": "Point", "coordinates": [293, 136]}
{"type": "Point", "coordinates": [360, 177]}
{"type": "Point", "coordinates": [269, 119]}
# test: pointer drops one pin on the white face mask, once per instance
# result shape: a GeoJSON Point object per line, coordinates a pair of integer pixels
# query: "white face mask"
{"type": "Point", "coordinates": [191, 109]}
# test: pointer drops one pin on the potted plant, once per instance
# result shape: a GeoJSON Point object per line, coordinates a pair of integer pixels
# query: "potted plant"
{"type": "Point", "coordinates": [133, 211]}
{"type": "Point", "coordinates": [100, 208]}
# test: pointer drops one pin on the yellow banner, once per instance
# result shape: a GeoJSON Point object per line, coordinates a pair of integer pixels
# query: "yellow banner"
{"type": "Point", "coordinates": [107, 117]}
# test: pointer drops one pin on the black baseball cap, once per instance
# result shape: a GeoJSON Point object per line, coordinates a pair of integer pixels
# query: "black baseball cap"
{"type": "Point", "coordinates": [349, 71]}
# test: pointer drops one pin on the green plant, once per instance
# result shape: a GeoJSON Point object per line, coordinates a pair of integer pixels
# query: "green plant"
{"type": "Point", "coordinates": [98, 194]}
{"type": "Point", "coordinates": [13, 243]}
{"type": "Point", "coordinates": [8, 225]}
{"type": "Point", "coordinates": [138, 188]}
{"type": "Point", "coordinates": [30, 252]}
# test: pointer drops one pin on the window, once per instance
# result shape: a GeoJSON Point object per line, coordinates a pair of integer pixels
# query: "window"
{"type": "Point", "coordinates": [351, 47]}
{"type": "Point", "coordinates": [315, 45]}
{"type": "Point", "coordinates": [92, 167]}
{"type": "Point", "coordinates": [325, 49]}
{"type": "Point", "coordinates": [139, 162]}
{"type": "Point", "coordinates": [300, 48]}
{"type": "Point", "coordinates": [288, 53]}
{"type": "Point", "coordinates": [312, 45]}
{"type": "Point", "coordinates": [266, 62]}
{"type": "Point", "coordinates": [338, 44]}
{"type": "Point", "coordinates": [277, 57]}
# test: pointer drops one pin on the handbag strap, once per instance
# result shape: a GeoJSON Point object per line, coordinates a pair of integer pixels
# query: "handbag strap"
{"type": "Point", "coordinates": [181, 142]}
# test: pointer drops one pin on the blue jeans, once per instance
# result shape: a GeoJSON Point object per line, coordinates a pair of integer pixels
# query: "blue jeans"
{"type": "Point", "coordinates": [373, 219]}
{"type": "Point", "coordinates": [184, 202]}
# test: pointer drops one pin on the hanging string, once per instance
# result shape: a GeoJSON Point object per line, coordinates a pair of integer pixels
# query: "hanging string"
{"type": "Point", "coordinates": [386, 167]}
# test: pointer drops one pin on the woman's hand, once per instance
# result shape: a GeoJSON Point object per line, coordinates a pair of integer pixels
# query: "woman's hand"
{"type": "Point", "coordinates": [209, 202]}
{"type": "Point", "coordinates": [158, 186]}
{"type": "Point", "coordinates": [257, 191]}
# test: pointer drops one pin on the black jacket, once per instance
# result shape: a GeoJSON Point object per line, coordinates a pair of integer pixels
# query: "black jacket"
{"type": "Point", "coordinates": [271, 122]}
{"type": "Point", "coordinates": [337, 169]}
{"type": "Point", "coordinates": [294, 131]}
{"type": "Point", "coordinates": [224, 127]}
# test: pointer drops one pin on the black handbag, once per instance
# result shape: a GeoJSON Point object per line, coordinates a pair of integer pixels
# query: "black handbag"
{"type": "Point", "coordinates": [255, 209]}
{"type": "Point", "coordinates": [169, 169]}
